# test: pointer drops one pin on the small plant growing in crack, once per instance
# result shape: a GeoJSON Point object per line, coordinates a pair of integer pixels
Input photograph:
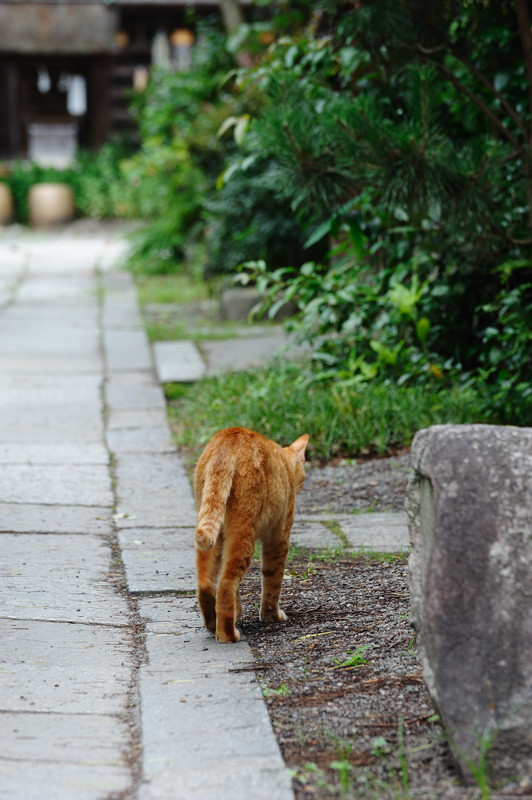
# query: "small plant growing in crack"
{"type": "Point", "coordinates": [281, 691]}
{"type": "Point", "coordinates": [355, 659]}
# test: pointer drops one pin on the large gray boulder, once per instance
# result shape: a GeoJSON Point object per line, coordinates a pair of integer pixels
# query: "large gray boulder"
{"type": "Point", "coordinates": [469, 504]}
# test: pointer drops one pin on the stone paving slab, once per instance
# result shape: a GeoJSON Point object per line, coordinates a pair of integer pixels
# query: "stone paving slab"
{"type": "Point", "coordinates": [43, 389]}
{"type": "Point", "coordinates": [162, 479]}
{"type": "Point", "coordinates": [159, 560]}
{"type": "Point", "coordinates": [133, 390]}
{"type": "Point", "coordinates": [91, 739]}
{"type": "Point", "coordinates": [68, 653]}
{"type": "Point", "coordinates": [73, 255]}
{"type": "Point", "coordinates": [78, 422]}
{"type": "Point", "coordinates": [54, 780]}
{"type": "Point", "coordinates": [31, 452]}
{"type": "Point", "coordinates": [47, 339]}
{"type": "Point", "coordinates": [141, 440]}
{"type": "Point", "coordinates": [238, 779]}
{"type": "Point", "coordinates": [118, 315]}
{"type": "Point", "coordinates": [386, 532]}
{"type": "Point", "coordinates": [35, 518]}
{"type": "Point", "coordinates": [378, 532]}
{"type": "Point", "coordinates": [75, 315]}
{"type": "Point", "coordinates": [59, 578]}
{"type": "Point", "coordinates": [242, 353]}
{"type": "Point", "coordinates": [52, 364]}
{"type": "Point", "coordinates": [120, 308]}
{"type": "Point", "coordinates": [126, 350]}
{"type": "Point", "coordinates": [12, 259]}
{"type": "Point", "coordinates": [63, 667]}
{"type": "Point", "coordinates": [136, 418]}
{"type": "Point", "coordinates": [57, 484]}
{"type": "Point", "coordinates": [178, 361]}
{"type": "Point", "coordinates": [188, 685]}
{"type": "Point", "coordinates": [313, 534]}
{"type": "Point", "coordinates": [120, 287]}
{"type": "Point", "coordinates": [41, 290]}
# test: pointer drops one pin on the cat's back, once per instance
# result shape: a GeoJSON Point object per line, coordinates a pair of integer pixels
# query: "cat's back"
{"type": "Point", "coordinates": [252, 460]}
{"type": "Point", "coordinates": [241, 448]}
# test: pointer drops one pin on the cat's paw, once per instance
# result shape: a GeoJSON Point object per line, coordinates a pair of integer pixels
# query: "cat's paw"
{"type": "Point", "coordinates": [227, 637]}
{"type": "Point", "coordinates": [272, 615]}
{"type": "Point", "coordinates": [225, 629]}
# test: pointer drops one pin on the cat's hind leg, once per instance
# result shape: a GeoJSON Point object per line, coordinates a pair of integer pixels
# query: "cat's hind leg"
{"type": "Point", "coordinates": [207, 567]}
{"type": "Point", "coordinates": [274, 555]}
{"type": "Point", "coordinates": [237, 558]}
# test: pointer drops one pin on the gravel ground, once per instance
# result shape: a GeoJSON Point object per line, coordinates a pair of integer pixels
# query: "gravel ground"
{"type": "Point", "coordinates": [375, 484]}
{"type": "Point", "coordinates": [341, 677]}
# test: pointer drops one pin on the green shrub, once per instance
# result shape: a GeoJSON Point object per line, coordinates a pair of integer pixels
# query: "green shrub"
{"type": "Point", "coordinates": [103, 189]}
{"type": "Point", "coordinates": [246, 221]}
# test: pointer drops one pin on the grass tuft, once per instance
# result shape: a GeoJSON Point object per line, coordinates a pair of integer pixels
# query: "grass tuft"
{"type": "Point", "coordinates": [278, 402]}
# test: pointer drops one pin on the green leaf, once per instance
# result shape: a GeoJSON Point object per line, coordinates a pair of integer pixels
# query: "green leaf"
{"type": "Point", "coordinates": [422, 329]}
{"type": "Point", "coordinates": [384, 353]}
{"type": "Point", "coordinates": [322, 230]}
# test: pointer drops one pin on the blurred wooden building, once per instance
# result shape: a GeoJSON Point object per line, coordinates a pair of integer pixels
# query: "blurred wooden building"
{"type": "Point", "coordinates": [66, 66]}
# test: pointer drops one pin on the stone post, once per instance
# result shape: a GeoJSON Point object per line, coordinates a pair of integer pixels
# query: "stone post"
{"type": "Point", "coordinates": [469, 504]}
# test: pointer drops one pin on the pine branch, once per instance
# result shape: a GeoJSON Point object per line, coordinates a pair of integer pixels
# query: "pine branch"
{"type": "Point", "coordinates": [500, 97]}
{"type": "Point", "coordinates": [477, 101]}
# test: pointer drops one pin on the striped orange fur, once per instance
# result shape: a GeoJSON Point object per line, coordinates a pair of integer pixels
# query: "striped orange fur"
{"type": "Point", "coordinates": [245, 487]}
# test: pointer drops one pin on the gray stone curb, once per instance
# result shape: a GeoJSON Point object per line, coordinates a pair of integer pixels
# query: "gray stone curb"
{"type": "Point", "coordinates": [188, 693]}
{"type": "Point", "coordinates": [191, 683]}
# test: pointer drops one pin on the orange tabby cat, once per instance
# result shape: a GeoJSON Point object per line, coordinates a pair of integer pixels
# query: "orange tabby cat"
{"type": "Point", "coordinates": [245, 488]}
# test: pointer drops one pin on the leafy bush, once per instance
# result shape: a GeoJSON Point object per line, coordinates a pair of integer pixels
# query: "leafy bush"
{"type": "Point", "coordinates": [167, 187]}
{"type": "Point", "coordinates": [361, 325]}
{"type": "Point", "coordinates": [103, 190]}
{"type": "Point", "coordinates": [506, 361]}
{"type": "Point", "coordinates": [248, 222]}
{"type": "Point", "coordinates": [414, 171]}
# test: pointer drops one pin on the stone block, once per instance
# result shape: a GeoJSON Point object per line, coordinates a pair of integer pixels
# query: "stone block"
{"type": "Point", "coordinates": [44, 518]}
{"type": "Point", "coordinates": [470, 518]}
{"type": "Point", "coordinates": [378, 532]}
{"type": "Point", "coordinates": [58, 578]}
{"type": "Point", "coordinates": [158, 560]}
{"type": "Point", "coordinates": [162, 478]}
{"type": "Point", "coordinates": [237, 302]}
{"type": "Point", "coordinates": [126, 350]}
{"type": "Point", "coordinates": [140, 440]}
{"type": "Point", "coordinates": [178, 361]}
{"type": "Point", "coordinates": [133, 390]}
{"type": "Point", "coordinates": [60, 667]}
{"type": "Point", "coordinates": [57, 484]}
{"type": "Point", "coordinates": [242, 353]}
{"type": "Point", "coordinates": [192, 683]}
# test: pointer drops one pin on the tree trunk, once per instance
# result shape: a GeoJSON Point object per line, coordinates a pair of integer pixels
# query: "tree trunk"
{"type": "Point", "coordinates": [525, 30]}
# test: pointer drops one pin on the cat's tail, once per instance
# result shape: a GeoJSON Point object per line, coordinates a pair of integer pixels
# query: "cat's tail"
{"type": "Point", "coordinates": [211, 513]}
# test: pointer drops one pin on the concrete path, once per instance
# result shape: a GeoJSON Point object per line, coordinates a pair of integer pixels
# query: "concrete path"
{"type": "Point", "coordinates": [109, 687]}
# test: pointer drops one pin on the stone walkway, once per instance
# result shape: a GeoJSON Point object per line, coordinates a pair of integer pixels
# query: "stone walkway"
{"type": "Point", "coordinates": [109, 687]}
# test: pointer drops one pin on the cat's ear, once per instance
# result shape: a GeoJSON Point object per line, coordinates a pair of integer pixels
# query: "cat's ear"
{"type": "Point", "coordinates": [299, 446]}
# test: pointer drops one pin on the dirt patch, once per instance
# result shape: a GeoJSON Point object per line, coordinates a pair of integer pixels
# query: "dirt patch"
{"type": "Point", "coordinates": [373, 484]}
{"type": "Point", "coordinates": [341, 677]}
